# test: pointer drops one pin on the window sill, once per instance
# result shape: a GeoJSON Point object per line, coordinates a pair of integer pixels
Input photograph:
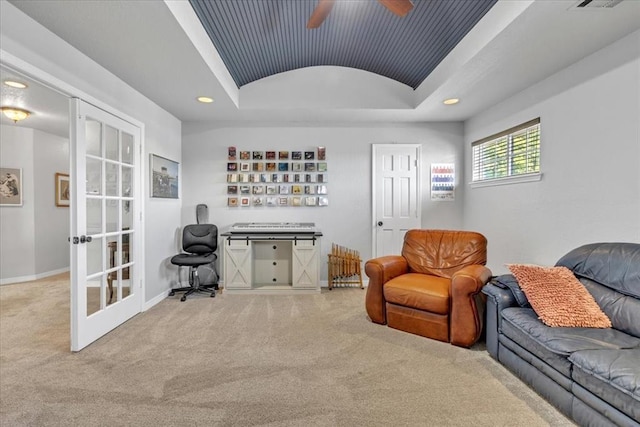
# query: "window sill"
{"type": "Point", "coordinates": [530, 177]}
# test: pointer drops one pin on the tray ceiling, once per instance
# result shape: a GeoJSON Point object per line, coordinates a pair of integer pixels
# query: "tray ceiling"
{"type": "Point", "coordinates": [258, 38]}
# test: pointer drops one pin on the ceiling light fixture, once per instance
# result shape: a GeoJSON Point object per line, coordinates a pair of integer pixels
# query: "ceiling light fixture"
{"type": "Point", "coordinates": [15, 114]}
{"type": "Point", "coordinates": [205, 99]}
{"type": "Point", "coordinates": [15, 84]}
{"type": "Point", "coordinates": [451, 101]}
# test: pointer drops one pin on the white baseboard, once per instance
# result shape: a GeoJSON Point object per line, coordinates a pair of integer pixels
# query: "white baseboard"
{"type": "Point", "coordinates": [32, 277]}
{"type": "Point", "coordinates": [155, 300]}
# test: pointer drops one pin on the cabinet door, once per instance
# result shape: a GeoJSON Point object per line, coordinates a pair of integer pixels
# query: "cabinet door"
{"type": "Point", "coordinates": [305, 264]}
{"type": "Point", "coordinates": [237, 264]}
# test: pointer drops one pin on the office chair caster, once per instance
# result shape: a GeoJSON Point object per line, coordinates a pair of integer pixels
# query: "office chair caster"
{"type": "Point", "coordinates": [171, 293]}
{"type": "Point", "coordinates": [184, 298]}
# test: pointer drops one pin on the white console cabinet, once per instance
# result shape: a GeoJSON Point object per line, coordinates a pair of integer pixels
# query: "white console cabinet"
{"type": "Point", "coordinates": [271, 263]}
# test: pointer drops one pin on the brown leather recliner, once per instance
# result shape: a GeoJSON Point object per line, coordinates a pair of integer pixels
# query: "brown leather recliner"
{"type": "Point", "coordinates": [433, 289]}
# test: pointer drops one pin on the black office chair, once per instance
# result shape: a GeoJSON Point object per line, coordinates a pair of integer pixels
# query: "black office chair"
{"type": "Point", "coordinates": [199, 242]}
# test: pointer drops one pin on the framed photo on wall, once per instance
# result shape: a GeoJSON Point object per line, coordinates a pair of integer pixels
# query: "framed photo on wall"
{"type": "Point", "coordinates": [62, 190]}
{"type": "Point", "coordinates": [164, 177]}
{"type": "Point", "coordinates": [10, 187]}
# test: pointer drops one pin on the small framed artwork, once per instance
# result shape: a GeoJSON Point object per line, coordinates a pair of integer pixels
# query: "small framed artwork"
{"type": "Point", "coordinates": [245, 189]}
{"type": "Point", "coordinates": [245, 166]}
{"type": "Point", "coordinates": [271, 155]}
{"type": "Point", "coordinates": [245, 202]}
{"type": "Point", "coordinates": [232, 189]}
{"type": "Point", "coordinates": [257, 189]}
{"type": "Point", "coordinates": [323, 201]}
{"type": "Point", "coordinates": [296, 155]}
{"type": "Point", "coordinates": [232, 201]}
{"type": "Point", "coordinates": [296, 201]}
{"type": "Point", "coordinates": [245, 155]}
{"type": "Point", "coordinates": [10, 187]}
{"type": "Point", "coordinates": [322, 153]}
{"type": "Point", "coordinates": [257, 201]}
{"type": "Point", "coordinates": [283, 155]}
{"type": "Point", "coordinates": [283, 166]}
{"type": "Point", "coordinates": [232, 166]}
{"type": "Point", "coordinates": [309, 155]}
{"type": "Point", "coordinates": [164, 177]}
{"type": "Point", "coordinates": [283, 201]}
{"type": "Point", "coordinates": [62, 190]}
{"type": "Point", "coordinates": [232, 153]}
{"type": "Point", "coordinates": [257, 155]}
{"type": "Point", "coordinates": [309, 167]}
{"type": "Point", "coordinates": [272, 201]}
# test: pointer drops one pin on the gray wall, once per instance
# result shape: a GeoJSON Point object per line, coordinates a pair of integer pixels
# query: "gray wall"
{"type": "Point", "coordinates": [51, 222]}
{"type": "Point", "coordinates": [590, 156]}
{"type": "Point", "coordinates": [347, 220]}
{"type": "Point", "coordinates": [34, 236]}
{"type": "Point", "coordinates": [17, 249]}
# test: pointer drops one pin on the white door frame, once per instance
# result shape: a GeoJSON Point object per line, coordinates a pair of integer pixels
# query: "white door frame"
{"type": "Point", "coordinates": [23, 67]}
{"type": "Point", "coordinates": [375, 190]}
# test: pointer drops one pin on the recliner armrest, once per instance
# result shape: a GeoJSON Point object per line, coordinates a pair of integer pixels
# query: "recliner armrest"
{"type": "Point", "coordinates": [467, 304]}
{"type": "Point", "coordinates": [381, 270]}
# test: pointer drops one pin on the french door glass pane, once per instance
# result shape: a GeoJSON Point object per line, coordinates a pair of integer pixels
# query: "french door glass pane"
{"type": "Point", "coordinates": [127, 181]}
{"type": "Point", "coordinates": [94, 216]}
{"type": "Point", "coordinates": [111, 143]}
{"type": "Point", "coordinates": [94, 256]}
{"type": "Point", "coordinates": [93, 131]}
{"type": "Point", "coordinates": [127, 148]}
{"type": "Point", "coordinates": [94, 176]}
{"type": "Point", "coordinates": [127, 214]}
{"type": "Point", "coordinates": [112, 215]}
{"type": "Point", "coordinates": [112, 172]}
{"type": "Point", "coordinates": [94, 294]}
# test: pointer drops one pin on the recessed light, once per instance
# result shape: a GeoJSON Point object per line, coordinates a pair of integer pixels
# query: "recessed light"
{"type": "Point", "coordinates": [451, 101]}
{"type": "Point", "coordinates": [15, 84]}
{"type": "Point", "coordinates": [205, 99]}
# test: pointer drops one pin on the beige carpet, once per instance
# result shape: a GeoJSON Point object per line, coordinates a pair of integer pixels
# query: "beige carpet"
{"type": "Point", "coordinates": [237, 360]}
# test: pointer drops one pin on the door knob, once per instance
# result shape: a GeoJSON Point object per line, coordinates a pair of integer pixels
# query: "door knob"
{"type": "Point", "coordinates": [380, 223]}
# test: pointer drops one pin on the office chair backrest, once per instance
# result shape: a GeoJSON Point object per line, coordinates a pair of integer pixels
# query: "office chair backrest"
{"type": "Point", "coordinates": [200, 238]}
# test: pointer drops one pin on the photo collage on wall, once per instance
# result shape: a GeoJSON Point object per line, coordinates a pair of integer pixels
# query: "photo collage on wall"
{"type": "Point", "coordinates": [277, 178]}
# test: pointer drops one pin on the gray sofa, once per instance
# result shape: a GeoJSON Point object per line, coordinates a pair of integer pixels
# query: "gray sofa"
{"type": "Point", "coordinates": [591, 375]}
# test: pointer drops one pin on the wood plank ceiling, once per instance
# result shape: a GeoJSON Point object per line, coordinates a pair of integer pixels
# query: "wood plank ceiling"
{"type": "Point", "coordinates": [260, 38]}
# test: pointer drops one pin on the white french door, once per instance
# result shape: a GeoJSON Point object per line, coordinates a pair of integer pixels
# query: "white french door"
{"type": "Point", "coordinates": [396, 195]}
{"type": "Point", "coordinates": [105, 222]}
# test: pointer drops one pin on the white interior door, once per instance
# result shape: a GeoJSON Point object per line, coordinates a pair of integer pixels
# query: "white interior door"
{"type": "Point", "coordinates": [396, 195]}
{"type": "Point", "coordinates": [106, 222]}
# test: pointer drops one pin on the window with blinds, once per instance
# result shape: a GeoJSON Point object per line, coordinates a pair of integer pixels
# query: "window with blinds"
{"type": "Point", "coordinates": [512, 153]}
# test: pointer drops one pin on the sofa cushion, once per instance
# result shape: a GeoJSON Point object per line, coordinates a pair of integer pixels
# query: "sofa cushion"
{"type": "Point", "coordinates": [558, 297]}
{"type": "Point", "coordinates": [420, 291]}
{"type": "Point", "coordinates": [553, 345]}
{"type": "Point", "coordinates": [616, 265]}
{"type": "Point", "coordinates": [623, 310]}
{"type": "Point", "coordinates": [613, 375]}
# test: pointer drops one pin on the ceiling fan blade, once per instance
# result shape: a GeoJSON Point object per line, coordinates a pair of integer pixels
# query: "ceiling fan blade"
{"type": "Point", "coordinates": [399, 7]}
{"type": "Point", "coordinates": [320, 13]}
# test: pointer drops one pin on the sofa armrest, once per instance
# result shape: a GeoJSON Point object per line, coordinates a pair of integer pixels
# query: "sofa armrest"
{"type": "Point", "coordinates": [381, 270]}
{"type": "Point", "coordinates": [497, 300]}
{"type": "Point", "coordinates": [467, 304]}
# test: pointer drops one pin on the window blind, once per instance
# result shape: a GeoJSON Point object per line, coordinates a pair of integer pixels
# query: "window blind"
{"type": "Point", "coordinates": [513, 152]}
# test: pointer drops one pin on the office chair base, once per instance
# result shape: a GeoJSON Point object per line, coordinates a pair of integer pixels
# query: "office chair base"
{"type": "Point", "coordinates": [188, 290]}
{"type": "Point", "coordinates": [194, 286]}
